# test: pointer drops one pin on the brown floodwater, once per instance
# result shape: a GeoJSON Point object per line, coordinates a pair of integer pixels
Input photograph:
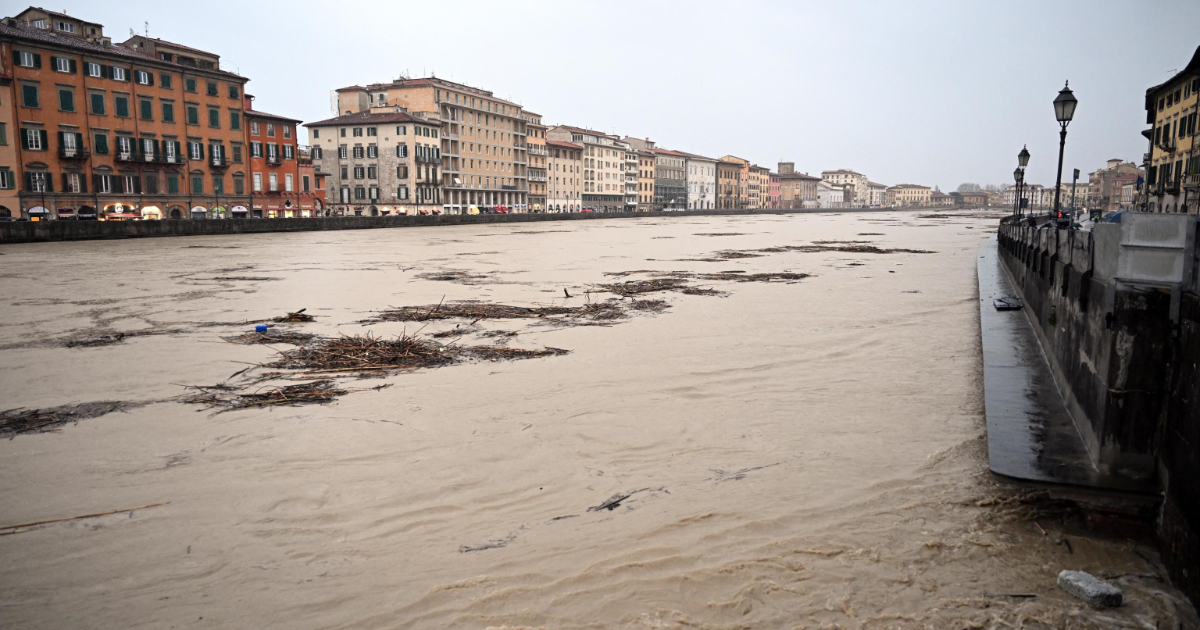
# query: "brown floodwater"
{"type": "Point", "coordinates": [795, 454]}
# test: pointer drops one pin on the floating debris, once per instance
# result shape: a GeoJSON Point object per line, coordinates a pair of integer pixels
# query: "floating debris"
{"type": "Point", "coordinates": [363, 353]}
{"type": "Point", "coordinates": [271, 337]}
{"type": "Point", "coordinates": [500, 353]}
{"type": "Point", "coordinates": [720, 234]}
{"type": "Point", "coordinates": [291, 318]}
{"type": "Point", "coordinates": [464, 277]}
{"type": "Point", "coordinates": [227, 398]}
{"type": "Point", "coordinates": [469, 310]}
{"type": "Point", "coordinates": [108, 339]}
{"type": "Point", "coordinates": [631, 288]}
{"type": "Point", "coordinates": [17, 421]}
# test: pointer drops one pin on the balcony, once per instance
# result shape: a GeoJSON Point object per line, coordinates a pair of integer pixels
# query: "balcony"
{"type": "Point", "coordinates": [428, 159]}
{"type": "Point", "coordinates": [1192, 181]}
{"type": "Point", "coordinates": [73, 153]}
{"type": "Point", "coordinates": [274, 160]}
{"type": "Point", "coordinates": [127, 156]}
{"type": "Point", "coordinates": [217, 161]}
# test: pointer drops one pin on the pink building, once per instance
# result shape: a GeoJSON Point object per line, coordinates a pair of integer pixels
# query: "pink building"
{"type": "Point", "coordinates": [773, 192]}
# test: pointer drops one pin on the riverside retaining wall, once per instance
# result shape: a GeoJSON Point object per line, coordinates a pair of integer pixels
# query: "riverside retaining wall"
{"type": "Point", "coordinates": [1125, 358]}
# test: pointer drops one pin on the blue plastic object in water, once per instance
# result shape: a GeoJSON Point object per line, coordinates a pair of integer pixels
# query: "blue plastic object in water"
{"type": "Point", "coordinates": [260, 328]}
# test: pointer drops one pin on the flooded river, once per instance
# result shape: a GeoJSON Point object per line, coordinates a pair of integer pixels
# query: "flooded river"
{"type": "Point", "coordinates": [789, 454]}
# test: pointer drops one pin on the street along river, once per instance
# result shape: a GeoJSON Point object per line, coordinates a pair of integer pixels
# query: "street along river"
{"type": "Point", "coordinates": [773, 451]}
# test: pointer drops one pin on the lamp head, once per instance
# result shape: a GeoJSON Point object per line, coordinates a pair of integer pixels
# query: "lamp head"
{"type": "Point", "coordinates": [1064, 105]}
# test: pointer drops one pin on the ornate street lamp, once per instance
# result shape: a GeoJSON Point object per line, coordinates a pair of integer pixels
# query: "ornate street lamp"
{"type": "Point", "coordinates": [1064, 111]}
{"type": "Point", "coordinates": [1019, 174]}
{"type": "Point", "coordinates": [1016, 191]}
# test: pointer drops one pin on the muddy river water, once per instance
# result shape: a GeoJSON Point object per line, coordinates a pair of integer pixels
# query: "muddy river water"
{"type": "Point", "coordinates": [790, 454]}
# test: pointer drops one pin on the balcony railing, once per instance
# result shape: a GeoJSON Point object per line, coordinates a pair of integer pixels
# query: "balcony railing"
{"type": "Point", "coordinates": [218, 162]}
{"type": "Point", "coordinates": [1191, 181]}
{"type": "Point", "coordinates": [274, 160]}
{"type": "Point", "coordinates": [73, 153]}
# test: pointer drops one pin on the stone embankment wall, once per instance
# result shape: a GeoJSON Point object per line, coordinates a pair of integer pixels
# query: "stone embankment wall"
{"type": "Point", "coordinates": [1127, 368]}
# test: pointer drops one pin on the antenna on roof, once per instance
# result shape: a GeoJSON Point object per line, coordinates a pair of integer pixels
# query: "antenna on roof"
{"type": "Point", "coordinates": [146, 25]}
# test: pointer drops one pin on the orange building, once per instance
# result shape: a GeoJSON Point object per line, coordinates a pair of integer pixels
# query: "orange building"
{"type": "Point", "coordinates": [278, 187]}
{"type": "Point", "coordinates": [141, 129]}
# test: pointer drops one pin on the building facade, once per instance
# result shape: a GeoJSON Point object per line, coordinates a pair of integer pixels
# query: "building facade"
{"type": "Point", "coordinates": [141, 129]}
{"type": "Point", "coordinates": [797, 190]}
{"type": "Point", "coordinates": [831, 196]}
{"type": "Point", "coordinates": [277, 189]}
{"type": "Point", "coordinates": [758, 188]}
{"type": "Point", "coordinates": [535, 136]}
{"type": "Point", "coordinates": [729, 191]}
{"type": "Point", "coordinates": [908, 195]}
{"type": "Point", "coordinates": [379, 163]}
{"type": "Point", "coordinates": [630, 175]}
{"type": "Point", "coordinates": [741, 197]}
{"type": "Point", "coordinates": [773, 186]}
{"type": "Point", "coordinates": [1172, 167]}
{"type": "Point", "coordinates": [564, 176]}
{"type": "Point", "coordinates": [603, 166]}
{"type": "Point", "coordinates": [670, 179]}
{"type": "Point", "coordinates": [859, 191]}
{"type": "Point", "coordinates": [876, 194]}
{"type": "Point", "coordinates": [646, 181]}
{"type": "Point", "coordinates": [701, 182]}
{"type": "Point", "coordinates": [483, 138]}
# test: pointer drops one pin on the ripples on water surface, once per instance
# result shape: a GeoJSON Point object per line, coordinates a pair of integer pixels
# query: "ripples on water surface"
{"type": "Point", "coordinates": [803, 454]}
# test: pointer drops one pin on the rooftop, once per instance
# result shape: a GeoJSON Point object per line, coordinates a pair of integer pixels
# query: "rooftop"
{"type": "Point", "coordinates": [427, 82]}
{"type": "Point", "coordinates": [842, 170]}
{"type": "Point", "coordinates": [565, 145]}
{"type": "Point", "coordinates": [164, 42]}
{"type": "Point", "coordinates": [62, 15]}
{"type": "Point", "coordinates": [13, 29]}
{"type": "Point", "coordinates": [254, 113]}
{"type": "Point", "coordinates": [370, 117]}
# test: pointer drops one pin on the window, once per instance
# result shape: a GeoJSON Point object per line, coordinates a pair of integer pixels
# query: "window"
{"type": "Point", "coordinates": [270, 130]}
{"type": "Point", "coordinates": [372, 172]}
{"type": "Point", "coordinates": [146, 109]}
{"type": "Point", "coordinates": [103, 183]}
{"type": "Point", "coordinates": [40, 182]}
{"type": "Point", "coordinates": [372, 151]}
{"type": "Point", "coordinates": [66, 99]}
{"type": "Point", "coordinates": [237, 154]}
{"type": "Point", "coordinates": [235, 120]}
{"type": "Point", "coordinates": [214, 118]}
{"type": "Point", "coordinates": [121, 105]}
{"type": "Point", "coordinates": [3, 134]}
{"type": "Point", "coordinates": [254, 127]}
{"type": "Point", "coordinates": [239, 185]}
{"type": "Point", "coordinates": [168, 112]}
{"type": "Point", "coordinates": [148, 149]}
{"type": "Point", "coordinates": [29, 96]}
{"type": "Point", "coordinates": [216, 153]}
{"type": "Point", "coordinates": [212, 88]}
{"type": "Point", "coordinates": [345, 171]}
{"type": "Point", "coordinates": [125, 147]}
{"type": "Point", "coordinates": [287, 131]}
{"type": "Point", "coordinates": [273, 182]}
{"type": "Point", "coordinates": [272, 152]}
{"type": "Point", "coordinates": [358, 152]}
{"type": "Point", "coordinates": [65, 27]}
{"type": "Point", "coordinates": [257, 182]}
{"type": "Point", "coordinates": [143, 78]}
{"type": "Point", "coordinates": [402, 172]}
{"type": "Point", "coordinates": [402, 150]}
{"type": "Point", "coordinates": [119, 74]}
{"type": "Point", "coordinates": [150, 186]}
{"type": "Point", "coordinates": [402, 192]}
{"type": "Point", "coordinates": [303, 182]}
{"type": "Point", "coordinates": [171, 151]}
{"type": "Point", "coordinates": [316, 133]}
{"type": "Point", "coordinates": [27, 59]}
{"type": "Point", "coordinates": [72, 182]}
{"type": "Point", "coordinates": [7, 180]}
{"type": "Point", "coordinates": [62, 64]}
{"type": "Point", "coordinates": [317, 153]}
{"type": "Point", "coordinates": [195, 151]}
{"type": "Point", "coordinates": [35, 139]}
{"type": "Point", "coordinates": [360, 192]}
{"type": "Point", "coordinates": [197, 184]}
{"type": "Point", "coordinates": [358, 132]}
{"type": "Point", "coordinates": [288, 183]}
{"type": "Point", "coordinates": [164, 80]}
{"type": "Point", "coordinates": [255, 149]}
{"type": "Point", "coordinates": [371, 131]}
{"type": "Point", "coordinates": [343, 130]}
{"type": "Point", "coordinates": [218, 184]}
{"type": "Point", "coordinates": [374, 193]}
{"type": "Point", "coordinates": [359, 172]}
{"type": "Point", "coordinates": [233, 91]}
{"type": "Point", "coordinates": [189, 84]}
{"type": "Point", "coordinates": [193, 114]}
{"type": "Point", "coordinates": [344, 195]}
{"type": "Point", "coordinates": [172, 184]}
{"type": "Point", "coordinates": [342, 152]}
{"type": "Point", "coordinates": [288, 152]}
{"type": "Point", "coordinates": [39, 24]}
{"type": "Point", "coordinates": [95, 70]}
{"type": "Point", "coordinates": [100, 143]}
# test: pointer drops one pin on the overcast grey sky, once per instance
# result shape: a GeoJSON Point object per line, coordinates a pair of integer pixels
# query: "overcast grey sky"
{"type": "Point", "coordinates": [936, 93]}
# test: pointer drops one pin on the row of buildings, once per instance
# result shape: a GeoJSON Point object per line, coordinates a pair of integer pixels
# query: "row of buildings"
{"type": "Point", "coordinates": [1115, 186]}
{"type": "Point", "coordinates": [1172, 161]}
{"type": "Point", "coordinates": [144, 128]}
{"type": "Point", "coordinates": [150, 129]}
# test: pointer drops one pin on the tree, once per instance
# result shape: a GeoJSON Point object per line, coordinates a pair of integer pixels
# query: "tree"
{"type": "Point", "coordinates": [968, 188]}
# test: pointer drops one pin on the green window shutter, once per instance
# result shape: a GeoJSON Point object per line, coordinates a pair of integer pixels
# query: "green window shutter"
{"type": "Point", "coordinates": [16, 56]}
{"type": "Point", "coordinates": [45, 139]}
{"type": "Point", "coordinates": [53, 62]}
{"type": "Point", "coordinates": [105, 71]}
{"type": "Point", "coordinates": [201, 147]}
{"type": "Point", "coordinates": [150, 77]}
{"type": "Point", "coordinates": [121, 106]}
{"type": "Point", "coordinates": [101, 142]}
{"type": "Point", "coordinates": [29, 96]}
{"type": "Point", "coordinates": [60, 138]}
{"type": "Point", "coordinates": [37, 60]}
{"type": "Point", "coordinates": [74, 66]}
{"type": "Point", "coordinates": [82, 183]}
{"type": "Point", "coordinates": [98, 104]}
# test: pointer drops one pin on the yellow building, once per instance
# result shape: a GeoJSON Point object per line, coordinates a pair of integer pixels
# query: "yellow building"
{"type": "Point", "coordinates": [908, 195]}
{"type": "Point", "coordinates": [740, 196]}
{"type": "Point", "coordinates": [536, 137]}
{"type": "Point", "coordinates": [1172, 165]}
{"type": "Point", "coordinates": [646, 180]}
{"type": "Point", "coordinates": [10, 203]}
{"type": "Point", "coordinates": [758, 188]}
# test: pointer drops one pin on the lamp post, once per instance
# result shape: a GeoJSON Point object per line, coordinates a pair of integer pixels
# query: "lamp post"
{"type": "Point", "coordinates": [1022, 162]}
{"type": "Point", "coordinates": [1064, 111]}
{"type": "Point", "coordinates": [1017, 175]}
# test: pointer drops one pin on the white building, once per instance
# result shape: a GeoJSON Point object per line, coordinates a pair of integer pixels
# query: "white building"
{"type": "Point", "coordinates": [830, 196]}
{"type": "Point", "coordinates": [701, 173]}
{"type": "Point", "coordinates": [859, 193]}
{"type": "Point", "coordinates": [876, 194]}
